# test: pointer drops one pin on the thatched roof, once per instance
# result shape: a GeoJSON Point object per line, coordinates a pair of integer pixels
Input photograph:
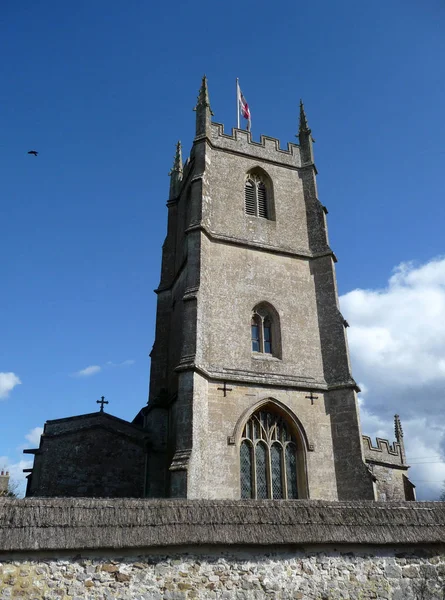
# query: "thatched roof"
{"type": "Point", "coordinates": [69, 524]}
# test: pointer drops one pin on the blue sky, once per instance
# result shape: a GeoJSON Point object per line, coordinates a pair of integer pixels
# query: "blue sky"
{"type": "Point", "coordinates": [104, 89]}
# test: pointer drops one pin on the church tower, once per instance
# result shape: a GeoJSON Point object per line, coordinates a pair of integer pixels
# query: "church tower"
{"type": "Point", "coordinates": [251, 391]}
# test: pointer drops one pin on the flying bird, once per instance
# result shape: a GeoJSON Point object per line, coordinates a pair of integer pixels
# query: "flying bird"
{"type": "Point", "coordinates": [34, 152]}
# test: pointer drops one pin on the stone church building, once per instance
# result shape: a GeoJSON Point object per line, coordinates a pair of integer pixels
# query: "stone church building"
{"type": "Point", "coordinates": [251, 391]}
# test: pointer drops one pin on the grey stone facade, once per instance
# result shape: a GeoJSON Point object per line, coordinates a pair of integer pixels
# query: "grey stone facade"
{"type": "Point", "coordinates": [219, 264]}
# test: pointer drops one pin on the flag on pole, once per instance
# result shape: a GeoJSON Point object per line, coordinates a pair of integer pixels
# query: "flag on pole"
{"type": "Point", "coordinates": [243, 107]}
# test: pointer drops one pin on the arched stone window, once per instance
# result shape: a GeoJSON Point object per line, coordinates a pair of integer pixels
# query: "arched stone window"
{"type": "Point", "coordinates": [265, 330]}
{"type": "Point", "coordinates": [270, 458]}
{"type": "Point", "coordinates": [258, 195]}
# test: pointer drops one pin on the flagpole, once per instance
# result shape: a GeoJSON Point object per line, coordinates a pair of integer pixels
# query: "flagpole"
{"type": "Point", "coordinates": [237, 103]}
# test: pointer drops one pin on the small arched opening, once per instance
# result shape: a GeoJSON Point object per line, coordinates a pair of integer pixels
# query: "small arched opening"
{"type": "Point", "coordinates": [265, 330]}
{"type": "Point", "coordinates": [258, 195]}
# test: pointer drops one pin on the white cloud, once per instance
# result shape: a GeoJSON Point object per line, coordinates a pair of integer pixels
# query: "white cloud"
{"type": "Point", "coordinates": [127, 363]}
{"type": "Point", "coordinates": [93, 369]}
{"type": "Point", "coordinates": [34, 436]}
{"type": "Point", "coordinates": [88, 371]}
{"type": "Point", "coordinates": [397, 344]}
{"type": "Point", "coordinates": [8, 381]}
{"type": "Point", "coordinates": [124, 363]}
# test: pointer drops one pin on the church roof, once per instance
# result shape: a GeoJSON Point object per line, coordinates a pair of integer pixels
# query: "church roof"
{"type": "Point", "coordinates": [90, 421]}
{"type": "Point", "coordinates": [67, 523]}
{"type": "Point", "coordinates": [98, 413]}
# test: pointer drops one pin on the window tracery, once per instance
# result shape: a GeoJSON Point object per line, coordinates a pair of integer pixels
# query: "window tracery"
{"type": "Point", "coordinates": [264, 331]}
{"type": "Point", "coordinates": [268, 458]}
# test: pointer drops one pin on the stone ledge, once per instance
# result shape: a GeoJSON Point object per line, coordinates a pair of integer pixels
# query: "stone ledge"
{"type": "Point", "coordinates": [35, 524]}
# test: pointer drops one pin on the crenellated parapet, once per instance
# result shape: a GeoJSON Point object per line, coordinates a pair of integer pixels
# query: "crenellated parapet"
{"type": "Point", "coordinates": [268, 148]}
{"type": "Point", "coordinates": [387, 463]}
{"type": "Point", "coordinates": [384, 452]}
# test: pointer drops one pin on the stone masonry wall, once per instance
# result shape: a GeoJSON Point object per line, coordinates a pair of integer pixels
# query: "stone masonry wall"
{"type": "Point", "coordinates": [319, 573]}
{"type": "Point", "coordinates": [64, 466]}
{"type": "Point", "coordinates": [390, 484]}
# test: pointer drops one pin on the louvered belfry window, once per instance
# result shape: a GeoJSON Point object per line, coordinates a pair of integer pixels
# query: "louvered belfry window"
{"type": "Point", "coordinates": [255, 193]}
{"type": "Point", "coordinates": [262, 200]}
{"type": "Point", "coordinates": [268, 458]}
{"type": "Point", "coordinates": [250, 198]}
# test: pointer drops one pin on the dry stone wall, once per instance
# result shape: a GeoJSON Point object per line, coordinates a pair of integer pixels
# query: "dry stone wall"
{"type": "Point", "coordinates": [311, 573]}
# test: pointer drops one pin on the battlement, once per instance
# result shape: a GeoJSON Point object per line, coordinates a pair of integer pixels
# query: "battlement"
{"type": "Point", "coordinates": [384, 452]}
{"type": "Point", "coordinates": [240, 141]}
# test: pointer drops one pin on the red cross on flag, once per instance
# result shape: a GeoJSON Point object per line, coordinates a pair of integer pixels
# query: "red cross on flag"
{"type": "Point", "coordinates": [243, 107]}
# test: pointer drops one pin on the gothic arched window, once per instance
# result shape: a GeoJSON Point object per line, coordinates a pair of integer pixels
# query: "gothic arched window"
{"type": "Point", "coordinates": [257, 196]}
{"type": "Point", "coordinates": [265, 330]}
{"type": "Point", "coordinates": [268, 458]}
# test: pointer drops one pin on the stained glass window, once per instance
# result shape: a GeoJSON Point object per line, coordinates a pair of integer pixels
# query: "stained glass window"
{"type": "Point", "coordinates": [268, 458]}
{"type": "Point", "coordinates": [246, 470]}
{"type": "Point", "coordinates": [291, 471]}
{"type": "Point", "coordinates": [277, 470]}
{"type": "Point", "coordinates": [261, 471]}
